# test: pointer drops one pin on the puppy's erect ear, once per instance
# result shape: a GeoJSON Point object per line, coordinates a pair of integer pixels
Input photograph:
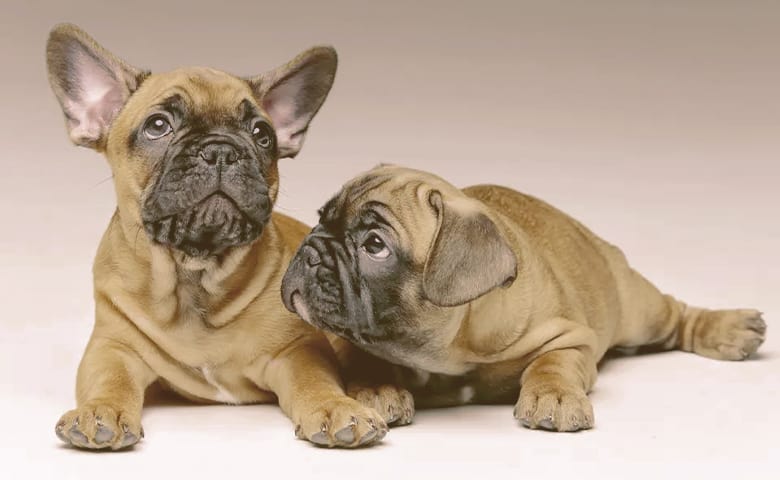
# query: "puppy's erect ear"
{"type": "Point", "coordinates": [468, 256]}
{"type": "Point", "coordinates": [90, 83]}
{"type": "Point", "coordinates": [293, 93]}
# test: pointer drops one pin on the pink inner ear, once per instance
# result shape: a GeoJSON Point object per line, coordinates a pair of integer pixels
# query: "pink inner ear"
{"type": "Point", "coordinates": [281, 105]}
{"type": "Point", "coordinates": [92, 109]}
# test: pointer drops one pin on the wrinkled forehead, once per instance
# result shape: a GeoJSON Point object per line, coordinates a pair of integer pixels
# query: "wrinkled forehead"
{"type": "Point", "coordinates": [399, 195]}
{"type": "Point", "coordinates": [203, 90]}
{"type": "Point", "coordinates": [400, 187]}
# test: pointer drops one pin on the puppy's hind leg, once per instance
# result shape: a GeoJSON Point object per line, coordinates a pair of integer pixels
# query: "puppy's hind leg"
{"type": "Point", "coordinates": [663, 322]}
{"type": "Point", "coordinates": [718, 334]}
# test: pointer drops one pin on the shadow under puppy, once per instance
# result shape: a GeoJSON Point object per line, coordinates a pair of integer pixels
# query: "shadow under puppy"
{"type": "Point", "coordinates": [188, 273]}
{"type": "Point", "coordinates": [485, 293]}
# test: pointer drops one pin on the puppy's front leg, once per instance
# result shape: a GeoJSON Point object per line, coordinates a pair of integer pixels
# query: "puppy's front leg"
{"type": "Point", "coordinates": [554, 388]}
{"type": "Point", "coordinates": [305, 378]}
{"type": "Point", "coordinates": [110, 388]}
{"type": "Point", "coordinates": [374, 383]}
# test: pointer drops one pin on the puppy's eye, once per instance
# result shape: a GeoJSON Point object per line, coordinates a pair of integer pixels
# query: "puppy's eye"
{"type": "Point", "coordinates": [157, 126]}
{"type": "Point", "coordinates": [262, 134]}
{"type": "Point", "coordinates": [375, 247]}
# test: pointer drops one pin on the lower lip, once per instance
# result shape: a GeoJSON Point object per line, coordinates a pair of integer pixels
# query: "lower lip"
{"type": "Point", "coordinates": [300, 307]}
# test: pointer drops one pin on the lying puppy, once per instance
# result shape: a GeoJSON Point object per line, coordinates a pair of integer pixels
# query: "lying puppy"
{"type": "Point", "coordinates": [187, 276]}
{"type": "Point", "coordinates": [484, 292]}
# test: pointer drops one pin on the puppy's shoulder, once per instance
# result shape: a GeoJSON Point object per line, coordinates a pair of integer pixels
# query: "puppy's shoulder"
{"type": "Point", "coordinates": [291, 231]}
{"type": "Point", "coordinates": [535, 216]}
{"type": "Point", "coordinates": [541, 221]}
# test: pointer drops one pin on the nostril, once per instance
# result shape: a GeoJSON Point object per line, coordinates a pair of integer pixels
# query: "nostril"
{"type": "Point", "coordinates": [210, 159]}
{"type": "Point", "coordinates": [312, 257]}
{"type": "Point", "coordinates": [214, 153]}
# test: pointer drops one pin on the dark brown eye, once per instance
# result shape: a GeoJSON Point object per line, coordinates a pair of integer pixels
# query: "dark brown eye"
{"type": "Point", "coordinates": [157, 126]}
{"type": "Point", "coordinates": [375, 247]}
{"type": "Point", "coordinates": [262, 134]}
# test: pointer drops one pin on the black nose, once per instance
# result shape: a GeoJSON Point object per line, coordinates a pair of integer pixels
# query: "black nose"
{"type": "Point", "coordinates": [219, 153]}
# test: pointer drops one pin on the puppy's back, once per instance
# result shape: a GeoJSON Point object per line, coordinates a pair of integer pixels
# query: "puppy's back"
{"type": "Point", "coordinates": [542, 222]}
{"type": "Point", "coordinates": [583, 268]}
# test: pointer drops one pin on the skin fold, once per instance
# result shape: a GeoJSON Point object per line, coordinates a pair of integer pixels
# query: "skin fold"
{"type": "Point", "coordinates": [188, 273]}
{"type": "Point", "coordinates": [486, 295]}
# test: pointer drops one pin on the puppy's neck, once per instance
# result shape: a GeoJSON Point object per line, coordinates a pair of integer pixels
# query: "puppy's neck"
{"type": "Point", "coordinates": [487, 341]}
{"type": "Point", "coordinates": [178, 288]}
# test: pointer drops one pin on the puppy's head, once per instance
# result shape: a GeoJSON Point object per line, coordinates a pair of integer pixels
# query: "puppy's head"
{"type": "Point", "coordinates": [393, 250]}
{"type": "Point", "coordinates": [193, 151]}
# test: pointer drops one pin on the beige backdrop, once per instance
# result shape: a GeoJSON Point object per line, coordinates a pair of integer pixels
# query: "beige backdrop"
{"type": "Point", "coordinates": [656, 123]}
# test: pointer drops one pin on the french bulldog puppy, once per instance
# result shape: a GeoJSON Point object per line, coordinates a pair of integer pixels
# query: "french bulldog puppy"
{"type": "Point", "coordinates": [188, 273]}
{"type": "Point", "coordinates": [484, 293]}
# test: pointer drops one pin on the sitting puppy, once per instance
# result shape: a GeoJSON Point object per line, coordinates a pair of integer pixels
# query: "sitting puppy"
{"type": "Point", "coordinates": [188, 274]}
{"type": "Point", "coordinates": [484, 293]}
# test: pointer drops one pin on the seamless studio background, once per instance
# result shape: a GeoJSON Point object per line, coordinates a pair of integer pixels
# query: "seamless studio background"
{"type": "Point", "coordinates": [654, 123]}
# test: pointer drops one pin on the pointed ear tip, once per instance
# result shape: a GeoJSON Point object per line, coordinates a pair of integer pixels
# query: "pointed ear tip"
{"type": "Point", "coordinates": [62, 35]}
{"type": "Point", "coordinates": [65, 30]}
{"type": "Point", "coordinates": [325, 53]}
{"type": "Point", "coordinates": [325, 49]}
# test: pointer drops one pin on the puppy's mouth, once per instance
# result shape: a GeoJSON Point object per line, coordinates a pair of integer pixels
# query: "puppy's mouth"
{"type": "Point", "coordinates": [313, 309]}
{"type": "Point", "coordinates": [299, 306]}
{"type": "Point", "coordinates": [209, 227]}
{"type": "Point", "coordinates": [333, 320]}
{"type": "Point", "coordinates": [319, 289]}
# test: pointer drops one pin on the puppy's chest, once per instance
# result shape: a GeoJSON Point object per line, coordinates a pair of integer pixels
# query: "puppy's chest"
{"type": "Point", "coordinates": [186, 332]}
{"type": "Point", "coordinates": [190, 342]}
{"type": "Point", "coordinates": [201, 361]}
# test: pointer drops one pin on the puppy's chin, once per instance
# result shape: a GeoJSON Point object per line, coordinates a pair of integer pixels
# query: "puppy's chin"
{"type": "Point", "coordinates": [323, 309]}
{"type": "Point", "coordinates": [314, 311]}
{"type": "Point", "coordinates": [209, 228]}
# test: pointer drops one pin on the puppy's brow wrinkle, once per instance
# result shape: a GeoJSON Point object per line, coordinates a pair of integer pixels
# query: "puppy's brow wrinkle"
{"type": "Point", "coordinates": [371, 218]}
{"type": "Point", "coordinates": [175, 97]}
{"type": "Point", "coordinates": [369, 183]}
{"type": "Point", "coordinates": [329, 213]}
{"type": "Point", "coordinates": [174, 100]}
{"type": "Point", "coordinates": [248, 110]}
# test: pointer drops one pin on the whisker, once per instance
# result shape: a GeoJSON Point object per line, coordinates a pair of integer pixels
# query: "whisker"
{"type": "Point", "coordinates": [135, 241]}
{"type": "Point", "coordinates": [110, 177]}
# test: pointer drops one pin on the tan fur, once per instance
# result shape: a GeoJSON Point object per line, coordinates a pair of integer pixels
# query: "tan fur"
{"type": "Point", "coordinates": [214, 330]}
{"type": "Point", "coordinates": [574, 298]}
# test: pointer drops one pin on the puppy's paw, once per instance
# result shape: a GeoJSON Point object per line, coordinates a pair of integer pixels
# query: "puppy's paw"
{"type": "Point", "coordinates": [99, 427]}
{"type": "Point", "coordinates": [395, 404]}
{"type": "Point", "coordinates": [552, 407]}
{"type": "Point", "coordinates": [342, 422]}
{"type": "Point", "coordinates": [728, 334]}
